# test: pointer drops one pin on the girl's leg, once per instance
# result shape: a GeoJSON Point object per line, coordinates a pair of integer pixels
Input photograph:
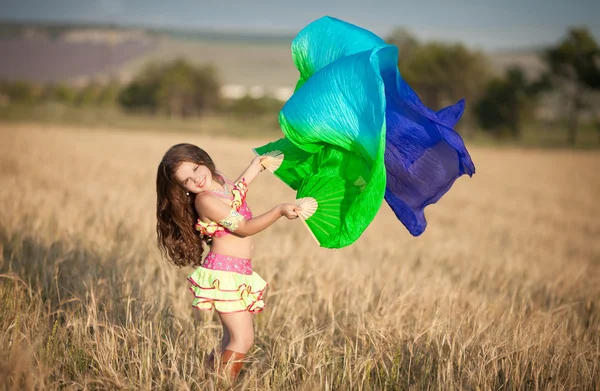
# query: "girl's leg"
{"type": "Point", "coordinates": [210, 362]}
{"type": "Point", "coordinates": [240, 331]}
{"type": "Point", "coordinates": [226, 337]}
{"type": "Point", "coordinates": [241, 337]}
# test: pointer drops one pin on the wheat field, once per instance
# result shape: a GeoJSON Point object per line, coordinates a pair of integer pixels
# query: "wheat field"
{"type": "Point", "coordinates": [501, 292]}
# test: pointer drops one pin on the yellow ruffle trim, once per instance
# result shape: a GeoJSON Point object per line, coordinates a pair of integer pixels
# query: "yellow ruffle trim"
{"type": "Point", "coordinates": [227, 291]}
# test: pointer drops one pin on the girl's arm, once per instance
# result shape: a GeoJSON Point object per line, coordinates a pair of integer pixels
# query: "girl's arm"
{"type": "Point", "coordinates": [216, 210]}
{"type": "Point", "coordinates": [252, 171]}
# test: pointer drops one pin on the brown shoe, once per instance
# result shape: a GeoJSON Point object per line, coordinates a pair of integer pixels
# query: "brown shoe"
{"type": "Point", "coordinates": [232, 363]}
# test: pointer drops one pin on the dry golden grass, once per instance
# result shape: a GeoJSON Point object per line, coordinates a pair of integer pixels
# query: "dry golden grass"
{"type": "Point", "coordinates": [501, 292]}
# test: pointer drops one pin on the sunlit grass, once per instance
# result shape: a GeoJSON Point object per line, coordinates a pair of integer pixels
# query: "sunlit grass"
{"type": "Point", "coordinates": [502, 291]}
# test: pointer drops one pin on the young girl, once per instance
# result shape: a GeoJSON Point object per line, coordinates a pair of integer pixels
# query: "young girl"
{"type": "Point", "coordinates": [196, 204]}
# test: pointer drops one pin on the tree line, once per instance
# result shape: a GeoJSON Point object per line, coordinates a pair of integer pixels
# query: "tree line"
{"type": "Point", "coordinates": [174, 89]}
{"type": "Point", "coordinates": [503, 104]}
{"type": "Point", "coordinates": [440, 73]}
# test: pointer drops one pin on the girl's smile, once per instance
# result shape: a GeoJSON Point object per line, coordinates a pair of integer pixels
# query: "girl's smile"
{"type": "Point", "coordinates": [194, 177]}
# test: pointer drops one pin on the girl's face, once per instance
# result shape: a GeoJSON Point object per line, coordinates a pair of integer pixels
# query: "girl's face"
{"type": "Point", "coordinates": [193, 177]}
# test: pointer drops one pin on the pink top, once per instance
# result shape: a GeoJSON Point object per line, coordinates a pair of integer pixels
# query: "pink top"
{"type": "Point", "coordinates": [238, 202]}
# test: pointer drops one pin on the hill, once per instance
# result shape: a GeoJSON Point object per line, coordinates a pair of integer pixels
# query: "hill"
{"type": "Point", "coordinates": [246, 62]}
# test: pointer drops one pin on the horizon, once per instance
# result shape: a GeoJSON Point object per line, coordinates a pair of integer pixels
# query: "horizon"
{"type": "Point", "coordinates": [238, 33]}
{"type": "Point", "coordinates": [484, 25]}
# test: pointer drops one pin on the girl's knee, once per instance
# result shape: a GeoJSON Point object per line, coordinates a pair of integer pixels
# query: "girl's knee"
{"type": "Point", "coordinates": [241, 331]}
{"type": "Point", "coordinates": [250, 341]}
{"type": "Point", "coordinates": [247, 342]}
{"type": "Point", "coordinates": [243, 341]}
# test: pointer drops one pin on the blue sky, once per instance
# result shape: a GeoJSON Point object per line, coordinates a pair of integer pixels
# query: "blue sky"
{"type": "Point", "coordinates": [481, 24]}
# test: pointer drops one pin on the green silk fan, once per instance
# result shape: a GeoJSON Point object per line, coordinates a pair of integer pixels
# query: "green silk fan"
{"type": "Point", "coordinates": [332, 187]}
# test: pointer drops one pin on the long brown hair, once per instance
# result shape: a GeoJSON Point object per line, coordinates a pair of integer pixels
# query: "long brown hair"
{"type": "Point", "coordinates": [178, 241]}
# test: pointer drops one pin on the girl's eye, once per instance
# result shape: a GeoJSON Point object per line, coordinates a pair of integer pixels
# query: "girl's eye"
{"type": "Point", "coordinates": [195, 168]}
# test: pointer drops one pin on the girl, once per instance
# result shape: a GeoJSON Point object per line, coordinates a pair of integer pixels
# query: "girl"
{"type": "Point", "coordinates": [196, 204]}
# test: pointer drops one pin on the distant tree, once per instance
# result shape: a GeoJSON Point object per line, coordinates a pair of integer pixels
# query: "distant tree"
{"type": "Point", "coordinates": [109, 94]}
{"type": "Point", "coordinates": [575, 61]}
{"type": "Point", "coordinates": [208, 88]}
{"type": "Point", "coordinates": [508, 102]}
{"type": "Point", "coordinates": [185, 90]}
{"type": "Point", "coordinates": [248, 107]}
{"type": "Point", "coordinates": [405, 42]}
{"type": "Point", "coordinates": [89, 95]}
{"type": "Point", "coordinates": [61, 93]}
{"type": "Point", "coordinates": [142, 92]}
{"type": "Point", "coordinates": [443, 73]}
{"type": "Point", "coordinates": [177, 88]}
{"type": "Point", "coordinates": [21, 92]}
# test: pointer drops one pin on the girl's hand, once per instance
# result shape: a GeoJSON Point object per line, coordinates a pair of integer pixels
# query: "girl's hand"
{"type": "Point", "coordinates": [253, 170]}
{"type": "Point", "coordinates": [289, 210]}
{"type": "Point", "coordinates": [257, 162]}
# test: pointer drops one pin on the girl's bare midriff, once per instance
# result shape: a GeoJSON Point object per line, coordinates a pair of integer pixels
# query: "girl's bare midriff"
{"type": "Point", "coordinates": [235, 246]}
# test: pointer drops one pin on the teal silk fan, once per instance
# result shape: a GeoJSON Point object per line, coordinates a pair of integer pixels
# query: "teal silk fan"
{"type": "Point", "coordinates": [354, 134]}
